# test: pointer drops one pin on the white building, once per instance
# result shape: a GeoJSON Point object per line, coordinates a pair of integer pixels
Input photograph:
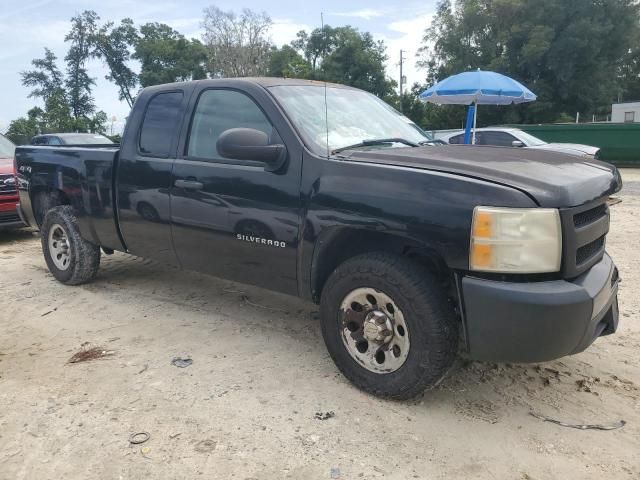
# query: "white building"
{"type": "Point", "coordinates": [625, 112]}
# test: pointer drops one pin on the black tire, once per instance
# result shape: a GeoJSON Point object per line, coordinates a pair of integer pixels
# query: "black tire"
{"type": "Point", "coordinates": [82, 257]}
{"type": "Point", "coordinates": [426, 312]}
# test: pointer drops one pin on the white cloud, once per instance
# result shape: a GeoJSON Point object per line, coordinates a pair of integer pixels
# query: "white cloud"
{"type": "Point", "coordinates": [364, 13]}
{"type": "Point", "coordinates": [409, 34]}
{"type": "Point", "coordinates": [284, 30]}
{"type": "Point", "coordinates": [189, 27]}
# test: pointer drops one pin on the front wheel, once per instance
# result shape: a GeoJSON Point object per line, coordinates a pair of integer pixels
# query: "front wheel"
{"type": "Point", "coordinates": [71, 259]}
{"type": "Point", "coordinates": [388, 325]}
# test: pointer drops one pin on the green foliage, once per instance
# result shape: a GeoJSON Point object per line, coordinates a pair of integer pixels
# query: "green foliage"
{"type": "Point", "coordinates": [167, 56]}
{"type": "Point", "coordinates": [78, 83]}
{"type": "Point", "coordinates": [346, 55]}
{"type": "Point", "coordinates": [22, 129]}
{"type": "Point", "coordinates": [46, 79]}
{"type": "Point", "coordinates": [427, 115]}
{"type": "Point", "coordinates": [316, 45]}
{"type": "Point", "coordinates": [569, 53]}
{"type": "Point", "coordinates": [50, 85]}
{"type": "Point", "coordinates": [287, 62]}
{"type": "Point", "coordinates": [112, 44]}
{"type": "Point", "coordinates": [629, 74]}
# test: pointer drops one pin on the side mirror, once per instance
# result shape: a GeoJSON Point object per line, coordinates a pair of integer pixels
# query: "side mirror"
{"type": "Point", "coordinates": [517, 143]}
{"type": "Point", "coordinates": [253, 145]}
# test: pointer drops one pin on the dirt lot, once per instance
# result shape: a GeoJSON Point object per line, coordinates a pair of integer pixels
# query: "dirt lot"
{"type": "Point", "coordinates": [246, 407]}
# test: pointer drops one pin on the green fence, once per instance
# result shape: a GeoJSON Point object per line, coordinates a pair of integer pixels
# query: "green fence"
{"type": "Point", "coordinates": [619, 142]}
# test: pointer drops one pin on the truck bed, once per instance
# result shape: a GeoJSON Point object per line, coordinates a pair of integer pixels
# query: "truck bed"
{"type": "Point", "coordinates": [83, 175]}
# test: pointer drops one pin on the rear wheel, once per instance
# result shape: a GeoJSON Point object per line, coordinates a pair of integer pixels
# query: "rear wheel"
{"type": "Point", "coordinates": [388, 325]}
{"type": "Point", "coordinates": [71, 259]}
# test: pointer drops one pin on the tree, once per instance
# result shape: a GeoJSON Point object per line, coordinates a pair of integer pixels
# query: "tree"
{"type": "Point", "coordinates": [357, 59]}
{"type": "Point", "coordinates": [98, 123]}
{"type": "Point", "coordinates": [286, 62]}
{"type": "Point", "coordinates": [46, 79]}
{"type": "Point", "coordinates": [348, 56]}
{"type": "Point", "coordinates": [237, 45]}
{"type": "Point", "coordinates": [50, 85]}
{"type": "Point", "coordinates": [113, 46]}
{"type": "Point", "coordinates": [167, 56]}
{"type": "Point", "coordinates": [22, 129]}
{"type": "Point", "coordinates": [569, 53]}
{"type": "Point", "coordinates": [57, 115]}
{"type": "Point", "coordinates": [316, 45]}
{"type": "Point", "coordinates": [78, 83]}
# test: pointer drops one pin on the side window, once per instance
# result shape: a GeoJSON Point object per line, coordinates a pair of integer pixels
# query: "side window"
{"type": "Point", "coordinates": [500, 139]}
{"type": "Point", "coordinates": [160, 124]}
{"type": "Point", "coordinates": [457, 140]}
{"type": "Point", "coordinates": [218, 111]}
{"type": "Point", "coordinates": [54, 141]}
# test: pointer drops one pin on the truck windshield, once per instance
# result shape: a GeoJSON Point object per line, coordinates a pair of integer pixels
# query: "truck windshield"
{"type": "Point", "coordinates": [7, 148]}
{"type": "Point", "coordinates": [352, 117]}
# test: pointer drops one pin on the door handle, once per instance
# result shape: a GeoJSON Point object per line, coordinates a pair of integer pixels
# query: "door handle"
{"type": "Point", "coordinates": [189, 184]}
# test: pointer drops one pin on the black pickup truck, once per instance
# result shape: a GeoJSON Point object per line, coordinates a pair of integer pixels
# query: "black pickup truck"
{"type": "Point", "coordinates": [413, 250]}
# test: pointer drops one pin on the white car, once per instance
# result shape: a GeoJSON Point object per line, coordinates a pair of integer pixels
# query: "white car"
{"type": "Point", "coordinates": [514, 137]}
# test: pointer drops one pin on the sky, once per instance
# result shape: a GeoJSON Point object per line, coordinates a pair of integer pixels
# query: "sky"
{"type": "Point", "coordinates": [27, 26]}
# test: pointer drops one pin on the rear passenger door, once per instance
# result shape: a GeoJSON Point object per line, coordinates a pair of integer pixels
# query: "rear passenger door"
{"type": "Point", "coordinates": [232, 218]}
{"type": "Point", "coordinates": [144, 172]}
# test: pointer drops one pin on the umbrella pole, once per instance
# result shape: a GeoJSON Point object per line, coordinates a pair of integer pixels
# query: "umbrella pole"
{"type": "Point", "coordinates": [475, 115]}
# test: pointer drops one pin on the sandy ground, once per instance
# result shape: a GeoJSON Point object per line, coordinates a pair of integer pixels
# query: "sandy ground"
{"type": "Point", "coordinates": [245, 409]}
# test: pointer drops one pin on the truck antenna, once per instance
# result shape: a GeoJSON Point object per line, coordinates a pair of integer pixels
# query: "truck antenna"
{"type": "Point", "coordinates": [326, 108]}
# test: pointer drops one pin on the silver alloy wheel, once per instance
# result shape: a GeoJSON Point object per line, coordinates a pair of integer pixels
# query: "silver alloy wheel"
{"type": "Point", "coordinates": [59, 247]}
{"type": "Point", "coordinates": [374, 331]}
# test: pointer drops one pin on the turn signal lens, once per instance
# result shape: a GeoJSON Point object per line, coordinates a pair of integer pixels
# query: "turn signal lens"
{"type": "Point", "coordinates": [515, 240]}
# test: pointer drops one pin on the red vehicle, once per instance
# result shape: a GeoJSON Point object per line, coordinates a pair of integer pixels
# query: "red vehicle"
{"type": "Point", "coordinates": [9, 217]}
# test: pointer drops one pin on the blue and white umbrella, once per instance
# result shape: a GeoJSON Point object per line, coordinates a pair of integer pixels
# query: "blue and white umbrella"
{"type": "Point", "coordinates": [477, 88]}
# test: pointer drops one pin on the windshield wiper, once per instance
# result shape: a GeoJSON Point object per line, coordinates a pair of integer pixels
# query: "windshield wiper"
{"type": "Point", "coordinates": [374, 141]}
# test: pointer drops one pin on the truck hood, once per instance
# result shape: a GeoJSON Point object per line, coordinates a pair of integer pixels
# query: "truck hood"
{"type": "Point", "coordinates": [552, 179]}
{"type": "Point", "coordinates": [573, 148]}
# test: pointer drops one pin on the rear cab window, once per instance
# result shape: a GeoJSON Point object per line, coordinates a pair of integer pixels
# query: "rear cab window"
{"type": "Point", "coordinates": [160, 124]}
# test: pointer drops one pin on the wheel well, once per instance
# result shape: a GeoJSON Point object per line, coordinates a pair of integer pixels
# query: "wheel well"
{"type": "Point", "coordinates": [44, 199]}
{"type": "Point", "coordinates": [348, 243]}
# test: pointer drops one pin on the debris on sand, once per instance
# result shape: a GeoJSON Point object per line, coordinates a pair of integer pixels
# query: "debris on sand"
{"type": "Point", "coordinates": [181, 362]}
{"type": "Point", "coordinates": [139, 437]}
{"type": "Point", "coordinates": [324, 415]}
{"type": "Point", "coordinates": [587, 384]}
{"type": "Point", "coordinates": [92, 353]}
{"type": "Point", "coordinates": [246, 300]}
{"type": "Point", "coordinates": [580, 426]}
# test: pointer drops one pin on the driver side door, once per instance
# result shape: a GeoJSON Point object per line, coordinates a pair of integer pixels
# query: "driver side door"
{"type": "Point", "coordinates": [232, 218]}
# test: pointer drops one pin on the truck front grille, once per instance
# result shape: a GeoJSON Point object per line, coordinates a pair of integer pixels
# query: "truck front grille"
{"type": "Point", "coordinates": [589, 216]}
{"type": "Point", "coordinates": [8, 185]}
{"type": "Point", "coordinates": [590, 250]}
{"type": "Point", "coordinates": [584, 233]}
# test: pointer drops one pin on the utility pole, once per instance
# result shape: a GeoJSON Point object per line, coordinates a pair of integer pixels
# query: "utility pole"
{"type": "Point", "coordinates": [401, 78]}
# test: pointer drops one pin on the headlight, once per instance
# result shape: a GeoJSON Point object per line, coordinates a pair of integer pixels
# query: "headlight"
{"type": "Point", "coordinates": [515, 240]}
